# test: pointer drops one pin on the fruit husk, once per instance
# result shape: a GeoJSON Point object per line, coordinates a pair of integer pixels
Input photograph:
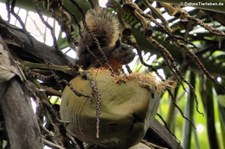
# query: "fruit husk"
{"type": "Point", "coordinates": [128, 105]}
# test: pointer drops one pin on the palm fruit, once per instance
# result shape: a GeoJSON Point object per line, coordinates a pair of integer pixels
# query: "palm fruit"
{"type": "Point", "coordinates": [128, 105]}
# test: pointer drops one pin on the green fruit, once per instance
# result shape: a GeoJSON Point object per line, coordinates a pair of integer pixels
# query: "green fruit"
{"type": "Point", "coordinates": [128, 105]}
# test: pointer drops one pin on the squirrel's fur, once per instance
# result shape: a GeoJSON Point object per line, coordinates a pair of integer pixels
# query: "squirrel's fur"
{"type": "Point", "coordinates": [103, 26]}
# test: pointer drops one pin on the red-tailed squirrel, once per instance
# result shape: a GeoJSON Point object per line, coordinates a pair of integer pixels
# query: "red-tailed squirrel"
{"type": "Point", "coordinates": [105, 28]}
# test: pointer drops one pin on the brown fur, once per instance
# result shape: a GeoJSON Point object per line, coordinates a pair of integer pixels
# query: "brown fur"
{"type": "Point", "coordinates": [103, 25]}
{"type": "Point", "coordinates": [105, 28]}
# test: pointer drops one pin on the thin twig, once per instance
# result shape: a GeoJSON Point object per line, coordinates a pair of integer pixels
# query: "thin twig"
{"type": "Point", "coordinates": [13, 3]}
{"type": "Point", "coordinates": [49, 143]}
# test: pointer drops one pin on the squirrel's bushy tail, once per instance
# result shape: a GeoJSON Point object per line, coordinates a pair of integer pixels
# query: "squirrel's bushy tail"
{"type": "Point", "coordinates": [103, 25]}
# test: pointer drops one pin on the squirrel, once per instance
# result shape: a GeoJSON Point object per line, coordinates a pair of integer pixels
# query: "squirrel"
{"type": "Point", "coordinates": [104, 27]}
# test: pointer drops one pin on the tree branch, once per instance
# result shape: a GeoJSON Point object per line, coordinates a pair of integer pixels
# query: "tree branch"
{"type": "Point", "coordinates": [19, 118]}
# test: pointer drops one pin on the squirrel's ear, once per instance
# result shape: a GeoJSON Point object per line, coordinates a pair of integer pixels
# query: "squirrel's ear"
{"type": "Point", "coordinates": [118, 43]}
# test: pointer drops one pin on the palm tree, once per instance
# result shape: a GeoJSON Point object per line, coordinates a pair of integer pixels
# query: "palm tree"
{"type": "Point", "coordinates": [171, 41]}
